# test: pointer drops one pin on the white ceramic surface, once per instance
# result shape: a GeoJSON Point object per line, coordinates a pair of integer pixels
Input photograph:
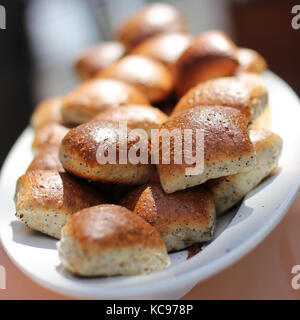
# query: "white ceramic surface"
{"type": "Point", "coordinates": [237, 232]}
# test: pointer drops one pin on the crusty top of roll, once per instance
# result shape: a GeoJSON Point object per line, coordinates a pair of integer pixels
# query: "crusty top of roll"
{"type": "Point", "coordinates": [109, 226]}
{"type": "Point", "coordinates": [146, 74]}
{"type": "Point", "coordinates": [47, 111]}
{"type": "Point", "coordinates": [245, 93]}
{"type": "Point", "coordinates": [137, 116]}
{"type": "Point", "coordinates": [225, 131]}
{"type": "Point", "coordinates": [262, 138]}
{"type": "Point", "coordinates": [156, 207]}
{"type": "Point", "coordinates": [49, 189]}
{"type": "Point", "coordinates": [212, 54]}
{"type": "Point", "coordinates": [165, 47]}
{"type": "Point", "coordinates": [149, 21]}
{"type": "Point", "coordinates": [98, 57]}
{"type": "Point", "coordinates": [48, 135]}
{"type": "Point", "coordinates": [94, 96]}
{"type": "Point", "coordinates": [251, 61]}
{"type": "Point", "coordinates": [83, 141]}
{"type": "Point", "coordinates": [46, 159]}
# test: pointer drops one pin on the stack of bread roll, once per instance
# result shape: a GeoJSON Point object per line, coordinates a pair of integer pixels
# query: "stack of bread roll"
{"type": "Point", "coordinates": [124, 218]}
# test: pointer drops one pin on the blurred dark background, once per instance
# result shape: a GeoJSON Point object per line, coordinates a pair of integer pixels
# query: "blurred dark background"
{"type": "Point", "coordinates": [43, 38]}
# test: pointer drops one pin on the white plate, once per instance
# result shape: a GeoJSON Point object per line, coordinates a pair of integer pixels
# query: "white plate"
{"type": "Point", "coordinates": [237, 232]}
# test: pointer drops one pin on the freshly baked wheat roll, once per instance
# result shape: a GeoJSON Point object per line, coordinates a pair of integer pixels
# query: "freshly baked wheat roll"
{"type": "Point", "coordinates": [182, 218]}
{"type": "Point", "coordinates": [49, 135]}
{"type": "Point", "coordinates": [224, 146]}
{"type": "Point", "coordinates": [46, 159]}
{"type": "Point", "coordinates": [97, 58]}
{"type": "Point", "coordinates": [46, 199]}
{"type": "Point", "coordinates": [48, 111]}
{"type": "Point", "coordinates": [251, 61]}
{"type": "Point", "coordinates": [149, 21]}
{"type": "Point", "coordinates": [227, 191]}
{"type": "Point", "coordinates": [109, 240]}
{"type": "Point", "coordinates": [144, 73]}
{"type": "Point", "coordinates": [94, 96]}
{"type": "Point", "coordinates": [137, 116]}
{"type": "Point", "coordinates": [246, 93]}
{"type": "Point", "coordinates": [93, 151]}
{"type": "Point", "coordinates": [212, 54]}
{"type": "Point", "coordinates": [164, 47]}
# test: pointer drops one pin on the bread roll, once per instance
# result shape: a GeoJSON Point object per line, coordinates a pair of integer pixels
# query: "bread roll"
{"type": "Point", "coordinates": [164, 47]}
{"type": "Point", "coordinates": [97, 95]}
{"type": "Point", "coordinates": [80, 154]}
{"type": "Point", "coordinates": [46, 199]}
{"type": "Point", "coordinates": [108, 240]}
{"type": "Point", "coordinates": [227, 191]}
{"type": "Point", "coordinates": [149, 21]}
{"type": "Point", "coordinates": [144, 73]}
{"type": "Point", "coordinates": [46, 159]}
{"type": "Point", "coordinates": [212, 54]}
{"type": "Point", "coordinates": [137, 116]}
{"type": "Point", "coordinates": [48, 111]}
{"type": "Point", "coordinates": [251, 61]}
{"type": "Point", "coordinates": [49, 135]}
{"type": "Point", "coordinates": [182, 218]}
{"type": "Point", "coordinates": [97, 58]}
{"type": "Point", "coordinates": [246, 93]}
{"type": "Point", "coordinates": [226, 143]}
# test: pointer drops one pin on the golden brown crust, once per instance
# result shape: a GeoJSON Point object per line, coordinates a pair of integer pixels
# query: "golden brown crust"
{"type": "Point", "coordinates": [167, 211]}
{"type": "Point", "coordinates": [212, 54]}
{"type": "Point", "coordinates": [149, 21]}
{"type": "Point", "coordinates": [263, 138]}
{"type": "Point", "coordinates": [225, 130]}
{"type": "Point", "coordinates": [94, 96]}
{"type": "Point", "coordinates": [246, 94]}
{"type": "Point", "coordinates": [46, 159]}
{"type": "Point", "coordinates": [51, 190]}
{"type": "Point", "coordinates": [137, 116]}
{"type": "Point", "coordinates": [110, 226]}
{"type": "Point", "coordinates": [251, 61]}
{"type": "Point", "coordinates": [48, 135]}
{"type": "Point", "coordinates": [47, 111]}
{"type": "Point", "coordinates": [226, 143]}
{"type": "Point", "coordinates": [146, 74]}
{"type": "Point", "coordinates": [164, 47]}
{"type": "Point", "coordinates": [98, 57]}
{"type": "Point", "coordinates": [78, 155]}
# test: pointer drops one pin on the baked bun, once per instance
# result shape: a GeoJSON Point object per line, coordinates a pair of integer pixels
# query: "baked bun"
{"type": "Point", "coordinates": [48, 111]}
{"type": "Point", "coordinates": [49, 135]}
{"type": "Point", "coordinates": [251, 61]}
{"type": "Point", "coordinates": [149, 21]}
{"type": "Point", "coordinates": [137, 116]}
{"type": "Point", "coordinates": [46, 159]}
{"type": "Point", "coordinates": [227, 191]}
{"type": "Point", "coordinates": [46, 199]}
{"type": "Point", "coordinates": [97, 58]}
{"type": "Point", "coordinates": [226, 143]}
{"type": "Point", "coordinates": [108, 240]}
{"type": "Point", "coordinates": [79, 154]}
{"type": "Point", "coordinates": [212, 54]}
{"type": "Point", "coordinates": [144, 73]}
{"type": "Point", "coordinates": [182, 218]}
{"type": "Point", "coordinates": [164, 47]}
{"type": "Point", "coordinates": [246, 93]}
{"type": "Point", "coordinates": [94, 96]}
